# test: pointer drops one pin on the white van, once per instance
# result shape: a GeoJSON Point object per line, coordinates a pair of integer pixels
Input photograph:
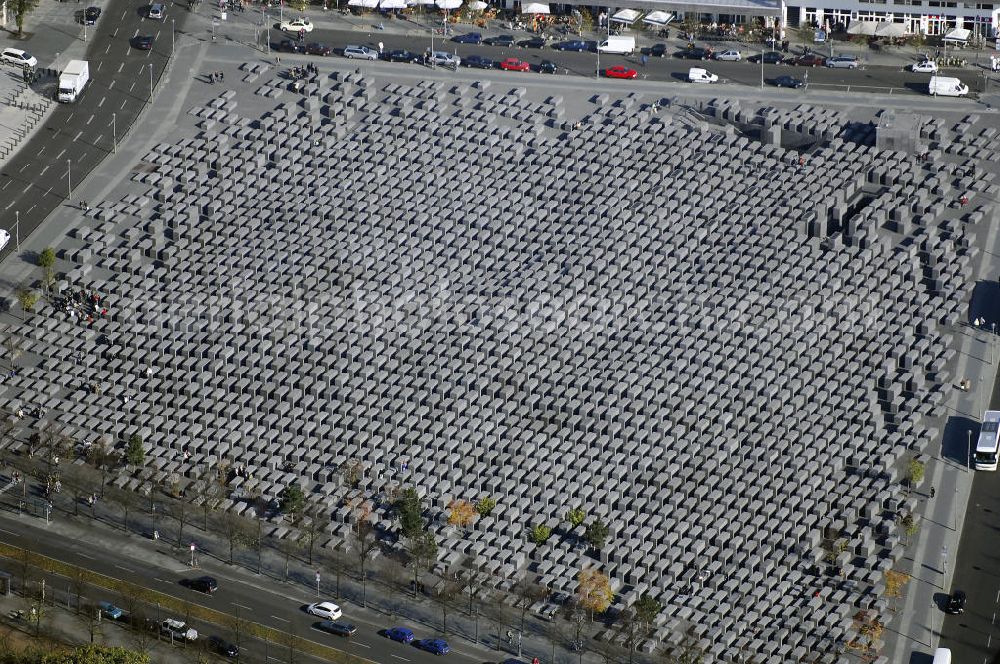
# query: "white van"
{"type": "Point", "coordinates": [699, 75]}
{"type": "Point", "coordinates": [947, 86]}
{"type": "Point", "coordinates": [4, 238]}
{"type": "Point", "coordinates": [73, 79]}
{"type": "Point", "coordinates": [942, 656]}
{"type": "Point", "coordinates": [620, 44]}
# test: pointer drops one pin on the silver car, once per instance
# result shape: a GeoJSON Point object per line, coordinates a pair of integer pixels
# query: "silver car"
{"type": "Point", "coordinates": [445, 59]}
{"type": "Point", "coordinates": [730, 56]}
{"type": "Point", "coordinates": [842, 62]}
{"type": "Point", "coordinates": [363, 52]}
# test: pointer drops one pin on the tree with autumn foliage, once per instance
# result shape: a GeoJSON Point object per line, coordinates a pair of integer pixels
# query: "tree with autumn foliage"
{"type": "Point", "coordinates": [895, 581]}
{"type": "Point", "coordinates": [594, 591]}
{"type": "Point", "coordinates": [461, 513]}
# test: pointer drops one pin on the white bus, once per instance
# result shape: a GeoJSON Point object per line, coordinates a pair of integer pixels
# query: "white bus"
{"type": "Point", "coordinates": [989, 441]}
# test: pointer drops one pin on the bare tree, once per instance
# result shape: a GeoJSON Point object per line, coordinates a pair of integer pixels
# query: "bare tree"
{"type": "Point", "coordinates": [394, 576]}
{"type": "Point", "coordinates": [78, 583]}
{"type": "Point", "coordinates": [126, 500]}
{"type": "Point", "coordinates": [528, 592]}
{"type": "Point", "coordinates": [446, 595]}
{"type": "Point", "coordinates": [365, 543]}
{"type": "Point", "coordinates": [288, 546]}
{"type": "Point", "coordinates": [237, 532]}
{"type": "Point", "coordinates": [103, 459]}
{"type": "Point", "coordinates": [208, 492]}
{"type": "Point", "coordinates": [497, 613]}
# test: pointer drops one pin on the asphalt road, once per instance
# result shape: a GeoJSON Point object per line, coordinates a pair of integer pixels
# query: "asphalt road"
{"type": "Point", "coordinates": [974, 636]}
{"type": "Point", "coordinates": [77, 136]}
{"type": "Point", "coordinates": [239, 593]}
{"type": "Point", "coordinates": [871, 79]}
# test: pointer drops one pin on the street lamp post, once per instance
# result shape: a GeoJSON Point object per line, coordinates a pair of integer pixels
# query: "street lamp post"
{"type": "Point", "coordinates": [69, 179]}
{"type": "Point", "coordinates": [150, 82]}
{"type": "Point", "coordinates": [172, 40]}
{"type": "Point", "coordinates": [17, 229]}
{"type": "Point", "coordinates": [114, 134]}
{"type": "Point", "coordinates": [968, 434]}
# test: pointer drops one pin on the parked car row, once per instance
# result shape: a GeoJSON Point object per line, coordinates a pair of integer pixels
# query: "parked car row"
{"type": "Point", "coordinates": [405, 635]}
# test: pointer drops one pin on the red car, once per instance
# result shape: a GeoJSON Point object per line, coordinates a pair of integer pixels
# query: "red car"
{"type": "Point", "coordinates": [619, 71]}
{"type": "Point", "coordinates": [513, 64]}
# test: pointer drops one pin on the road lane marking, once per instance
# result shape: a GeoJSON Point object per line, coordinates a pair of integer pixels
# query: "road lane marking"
{"type": "Point", "coordinates": [84, 555]}
{"type": "Point", "coordinates": [99, 139]}
{"type": "Point", "coordinates": [1, 529]}
{"type": "Point", "coordinates": [44, 169]}
{"type": "Point", "coordinates": [77, 137]}
{"type": "Point", "coordinates": [363, 645]}
{"type": "Point", "coordinates": [131, 87]}
{"type": "Point", "coordinates": [120, 67]}
{"type": "Point", "coordinates": [124, 103]}
{"type": "Point", "coordinates": [42, 149]}
{"type": "Point", "coordinates": [101, 103]}
{"type": "Point", "coordinates": [107, 50]}
{"type": "Point", "coordinates": [398, 657]}
{"type": "Point", "coordinates": [61, 153]}
{"type": "Point", "coordinates": [242, 607]}
{"type": "Point", "coordinates": [70, 117]}
{"type": "Point", "coordinates": [126, 569]}
{"type": "Point", "coordinates": [156, 578]}
{"type": "Point", "coordinates": [90, 119]}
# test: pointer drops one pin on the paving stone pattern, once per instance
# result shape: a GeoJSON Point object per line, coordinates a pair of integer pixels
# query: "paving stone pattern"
{"type": "Point", "coordinates": [724, 348]}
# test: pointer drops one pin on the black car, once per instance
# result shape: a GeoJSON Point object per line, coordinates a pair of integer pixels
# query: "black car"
{"type": "Point", "coordinates": [657, 50]}
{"type": "Point", "coordinates": [534, 42]}
{"type": "Point", "coordinates": [501, 40]}
{"type": "Point", "coordinates": [788, 82]}
{"type": "Point", "coordinates": [316, 48]}
{"type": "Point", "coordinates": [338, 628]}
{"type": "Point", "coordinates": [956, 603]}
{"type": "Point", "coordinates": [770, 58]}
{"type": "Point", "coordinates": [468, 38]}
{"type": "Point", "coordinates": [694, 54]}
{"type": "Point", "coordinates": [290, 46]}
{"type": "Point", "coordinates": [572, 45]}
{"type": "Point", "coordinates": [478, 62]}
{"type": "Point", "coordinates": [143, 42]}
{"type": "Point", "coordinates": [90, 15]}
{"type": "Point", "coordinates": [547, 67]}
{"type": "Point", "coordinates": [402, 55]}
{"type": "Point", "coordinates": [223, 647]}
{"type": "Point", "coordinates": [203, 584]}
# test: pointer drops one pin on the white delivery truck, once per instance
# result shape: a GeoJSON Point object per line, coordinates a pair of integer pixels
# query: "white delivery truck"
{"type": "Point", "coordinates": [72, 80]}
{"type": "Point", "coordinates": [947, 86]}
{"type": "Point", "coordinates": [619, 44]}
{"type": "Point", "coordinates": [700, 75]}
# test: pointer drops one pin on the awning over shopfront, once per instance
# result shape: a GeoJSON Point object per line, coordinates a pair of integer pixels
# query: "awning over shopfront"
{"type": "Point", "coordinates": [958, 35]}
{"type": "Point", "coordinates": [627, 16]}
{"type": "Point", "coordinates": [888, 29]}
{"type": "Point", "coordinates": [534, 8]}
{"type": "Point", "coordinates": [862, 28]}
{"type": "Point", "coordinates": [731, 7]}
{"type": "Point", "coordinates": [658, 18]}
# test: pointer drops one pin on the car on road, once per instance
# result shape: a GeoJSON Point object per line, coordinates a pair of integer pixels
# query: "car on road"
{"type": "Point", "coordinates": [90, 15]}
{"type": "Point", "coordinates": [619, 71]}
{"type": "Point", "coordinates": [809, 60]}
{"type": "Point", "coordinates": [290, 46]}
{"type": "Point", "coordinates": [468, 38]}
{"type": "Point", "coordinates": [176, 629]}
{"type": "Point", "coordinates": [223, 647]}
{"type": "Point", "coordinates": [301, 24]}
{"type": "Point", "coordinates": [514, 64]}
{"type": "Point", "coordinates": [435, 646]}
{"type": "Point", "coordinates": [842, 62]}
{"type": "Point", "coordinates": [402, 55]}
{"type": "Point", "coordinates": [203, 584]}
{"type": "Point", "coordinates": [143, 42]}
{"type": "Point", "coordinates": [338, 628]}
{"type": "Point", "coordinates": [478, 62]}
{"type": "Point", "coordinates": [400, 634]}
{"type": "Point", "coordinates": [156, 11]}
{"type": "Point", "coordinates": [500, 40]}
{"type": "Point", "coordinates": [770, 58]}
{"type": "Point", "coordinates": [788, 82]}
{"type": "Point", "coordinates": [18, 58]}
{"type": "Point", "coordinates": [693, 54]}
{"type": "Point", "coordinates": [925, 67]}
{"type": "Point", "coordinates": [327, 610]}
{"type": "Point", "coordinates": [362, 52]}
{"type": "Point", "coordinates": [316, 48]}
{"type": "Point", "coordinates": [546, 67]}
{"type": "Point", "coordinates": [109, 610]}
{"type": "Point", "coordinates": [729, 56]}
{"type": "Point", "coordinates": [656, 50]}
{"type": "Point", "coordinates": [445, 59]}
{"type": "Point", "coordinates": [956, 603]}
{"type": "Point", "coordinates": [533, 42]}
{"type": "Point", "coordinates": [572, 45]}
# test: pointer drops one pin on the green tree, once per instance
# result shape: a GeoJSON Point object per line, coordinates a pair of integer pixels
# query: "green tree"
{"type": "Point", "coordinates": [914, 473]}
{"type": "Point", "coordinates": [20, 9]}
{"type": "Point", "coordinates": [423, 551]}
{"type": "Point", "coordinates": [646, 609]}
{"type": "Point", "coordinates": [597, 534]}
{"type": "Point", "coordinates": [910, 526]}
{"type": "Point", "coordinates": [540, 534]}
{"type": "Point", "coordinates": [409, 510]}
{"type": "Point", "coordinates": [27, 298]}
{"type": "Point", "coordinates": [135, 455]}
{"type": "Point", "coordinates": [293, 500]}
{"type": "Point", "coordinates": [576, 517]}
{"type": "Point", "coordinates": [485, 506]}
{"type": "Point", "coordinates": [47, 261]}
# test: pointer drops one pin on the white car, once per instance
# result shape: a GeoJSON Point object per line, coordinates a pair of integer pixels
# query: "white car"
{"type": "Point", "coordinates": [730, 56]}
{"type": "Point", "coordinates": [327, 610]}
{"type": "Point", "coordinates": [178, 630]}
{"type": "Point", "coordinates": [925, 67]}
{"type": "Point", "coordinates": [699, 75]}
{"type": "Point", "coordinates": [842, 62]}
{"type": "Point", "coordinates": [445, 59]}
{"type": "Point", "coordinates": [4, 238]}
{"type": "Point", "coordinates": [363, 52]}
{"type": "Point", "coordinates": [297, 25]}
{"type": "Point", "coordinates": [15, 56]}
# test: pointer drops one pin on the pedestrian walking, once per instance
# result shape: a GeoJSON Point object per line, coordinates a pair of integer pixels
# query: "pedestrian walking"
{"type": "Point", "coordinates": [995, 62]}
{"type": "Point", "coordinates": [932, 492]}
{"type": "Point", "coordinates": [381, 47]}
{"type": "Point", "coordinates": [643, 59]}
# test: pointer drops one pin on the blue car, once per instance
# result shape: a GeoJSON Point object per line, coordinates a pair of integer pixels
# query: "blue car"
{"type": "Point", "coordinates": [572, 45]}
{"type": "Point", "coordinates": [401, 634]}
{"type": "Point", "coordinates": [109, 610]}
{"type": "Point", "coordinates": [468, 38]}
{"type": "Point", "coordinates": [435, 646]}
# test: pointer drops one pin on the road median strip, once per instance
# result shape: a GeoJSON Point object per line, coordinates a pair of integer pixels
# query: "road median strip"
{"type": "Point", "coordinates": [149, 596]}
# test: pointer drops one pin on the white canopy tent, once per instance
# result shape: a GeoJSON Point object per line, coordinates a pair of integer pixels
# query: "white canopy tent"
{"type": "Point", "coordinates": [534, 8]}
{"type": "Point", "coordinates": [888, 29]}
{"type": "Point", "coordinates": [478, 5]}
{"type": "Point", "coordinates": [658, 18]}
{"type": "Point", "coordinates": [449, 4]}
{"type": "Point", "coordinates": [862, 28]}
{"type": "Point", "coordinates": [958, 35]}
{"type": "Point", "coordinates": [625, 16]}
{"type": "Point", "coordinates": [366, 4]}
